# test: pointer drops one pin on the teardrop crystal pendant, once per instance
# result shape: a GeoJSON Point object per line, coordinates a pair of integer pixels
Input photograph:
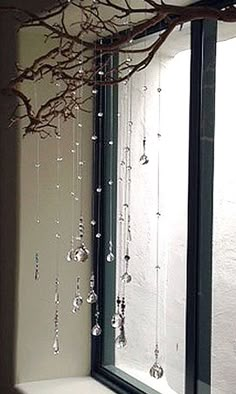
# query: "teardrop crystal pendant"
{"type": "Point", "coordinates": [156, 371]}
{"type": "Point", "coordinates": [77, 300]}
{"type": "Point", "coordinates": [81, 254]}
{"type": "Point", "coordinates": [121, 340]}
{"type": "Point", "coordinates": [96, 330]}
{"type": "Point", "coordinates": [116, 320]}
{"type": "Point", "coordinates": [110, 256]}
{"type": "Point", "coordinates": [56, 345]}
{"type": "Point", "coordinates": [92, 296]}
{"type": "Point", "coordinates": [144, 159]}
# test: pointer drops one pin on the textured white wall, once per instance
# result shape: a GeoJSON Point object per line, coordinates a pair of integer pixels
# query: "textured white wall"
{"type": "Point", "coordinates": [35, 359]}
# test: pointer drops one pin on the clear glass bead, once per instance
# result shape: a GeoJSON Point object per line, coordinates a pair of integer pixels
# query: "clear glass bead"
{"type": "Point", "coordinates": [111, 142]}
{"type": "Point", "coordinates": [98, 235]}
{"type": "Point", "coordinates": [145, 88]}
{"type": "Point", "coordinates": [58, 235]}
{"type": "Point", "coordinates": [94, 137]}
{"type": "Point", "coordinates": [37, 165]}
{"type": "Point", "coordinates": [100, 114]}
{"type": "Point", "coordinates": [99, 189]}
{"type": "Point", "coordinates": [100, 72]}
{"type": "Point", "coordinates": [94, 91]}
{"type": "Point", "coordinates": [59, 159]}
{"type": "Point", "coordinates": [93, 222]}
{"type": "Point", "coordinates": [110, 182]}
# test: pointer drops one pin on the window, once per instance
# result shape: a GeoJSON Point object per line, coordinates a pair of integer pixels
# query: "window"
{"type": "Point", "coordinates": [191, 313]}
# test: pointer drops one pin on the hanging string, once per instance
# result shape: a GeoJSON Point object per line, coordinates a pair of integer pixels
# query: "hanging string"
{"type": "Point", "coordinates": [56, 344]}
{"type": "Point", "coordinates": [156, 370]}
{"type": "Point", "coordinates": [37, 211]}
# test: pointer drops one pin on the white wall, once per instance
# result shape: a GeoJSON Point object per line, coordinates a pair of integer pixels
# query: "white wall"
{"type": "Point", "coordinates": [34, 355]}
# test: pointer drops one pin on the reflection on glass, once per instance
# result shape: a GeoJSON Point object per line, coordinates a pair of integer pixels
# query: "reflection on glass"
{"type": "Point", "coordinates": [166, 120]}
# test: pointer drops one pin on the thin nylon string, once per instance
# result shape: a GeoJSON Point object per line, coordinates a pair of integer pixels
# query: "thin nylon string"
{"type": "Point", "coordinates": [158, 209]}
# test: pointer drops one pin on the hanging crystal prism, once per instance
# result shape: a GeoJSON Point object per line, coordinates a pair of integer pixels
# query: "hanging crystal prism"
{"type": "Point", "coordinates": [96, 330]}
{"type": "Point", "coordinates": [126, 277]}
{"type": "Point", "coordinates": [116, 320]}
{"type": "Point", "coordinates": [121, 340]}
{"type": "Point", "coordinates": [77, 300]}
{"type": "Point", "coordinates": [144, 159]}
{"type": "Point", "coordinates": [36, 272]}
{"type": "Point", "coordinates": [156, 371]}
{"type": "Point", "coordinates": [92, 296]}
{"type": "Point", "coordinates": [56, 345]}
{"type": "Point", "coordinates": [110, 256]}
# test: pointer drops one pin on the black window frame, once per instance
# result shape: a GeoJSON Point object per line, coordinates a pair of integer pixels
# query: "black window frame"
{"type": "Point", "coordinates": [200, 218]}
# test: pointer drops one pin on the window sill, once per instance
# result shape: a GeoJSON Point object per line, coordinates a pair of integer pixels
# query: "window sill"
{"type": "Point", "coordinates": [85, 385]}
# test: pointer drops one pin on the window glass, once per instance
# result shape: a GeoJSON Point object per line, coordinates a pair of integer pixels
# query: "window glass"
{"type": "Point", "coordinates": [224, 229]}
{"type": "Point", "coordinates": [156, 100]}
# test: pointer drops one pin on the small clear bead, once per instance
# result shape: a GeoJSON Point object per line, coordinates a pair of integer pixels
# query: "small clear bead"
{"type": "Point", "coordinates": [81, 163]}
{"type": "Point", "coordinates": [77, 107]}
{"type": "Point", "coordinates": [111, 142]}
{"type": "Point", "coordinates": [130, 123]}
{"type": "Point", "coordinates": [72, 194]}
{"type": "Point", "coordinates": [77, 143]}
{"type": "Point", "coordinates": [94, 137]}
{"type": "Point", "coordinates": [100, 72]}
{"type": "Point", "coordinates": [100, 114]}
{"type": "Point", "coordinates": [80, 125]}
{"type": "Point", "coordinates": [145, 88]}
{"type": "Point", "coordinates": [98, 235]}
{"type": "Point", "coordinates": [37, 165]}
{"type": "Point", "coordinates": [58, 235]}
{"type": "Point", "coordinates": [93, 222]}
{"type": "Point", "coordinates": [37, 220]}
{"type": "Point", "coordinates": [57, 221]}
{"type": "Point", "coordinates": [110, 182]}
{"type": "Point", "coordinates": [72, 150]}
{"type": "Point", "coordinates": [99, 189]}
{"type": "Point", "coordinates": [76, 198]}
{"type": "Point", "coordinates": [79, 177]}
{"type": "Point", "coordinates": [118, 115]}
{"type": "Point", "coordinates": [58, 136]}
{"type": "Point", "coordinates": [129, 59]}
{"type": "Point", "coordinates": [159, 90]}
{"type": "Point", "coordinates": [59, 158]}
{"type": "Point", "coordinates": [94, 91]}
{"type": "Point", "coordinates": [57, 186]}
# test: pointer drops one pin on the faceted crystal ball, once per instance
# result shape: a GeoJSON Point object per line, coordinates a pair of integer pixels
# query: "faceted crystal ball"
{"type": "Point", "coordinates": [92, 297]}
{"type": "Point", "coordinates": [96, 330]}
{"type": "Point", "coordinates": [156, 371]}
{"type": "Point", "coordinates": [81, 254]}
{"type": "Point", "coordinates": [116, 320]}
{"type": "Point", "coordinates": [144, 159]}
{"type": "Point", "coordinates": [110, 257]}
{"type": "Point", "coordinates": [126, 278]}
{"type": "Point", "coordinates": [77, 302]}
